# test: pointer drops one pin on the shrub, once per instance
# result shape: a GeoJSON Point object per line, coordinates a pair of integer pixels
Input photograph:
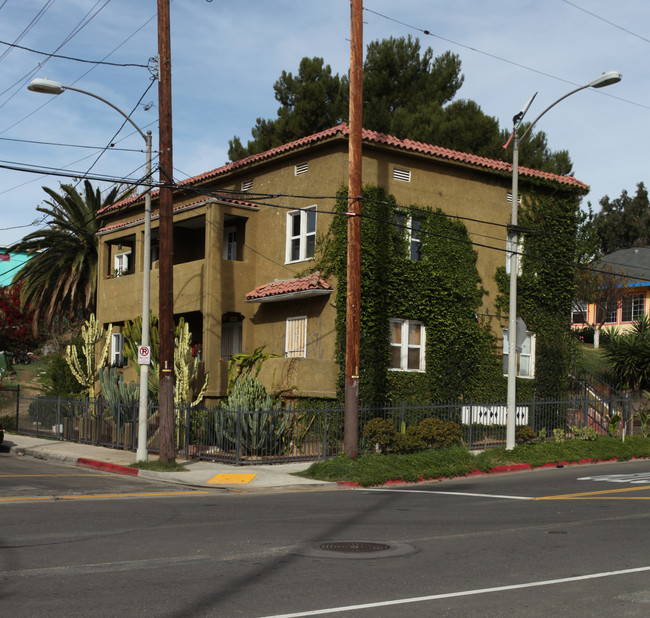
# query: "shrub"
{"type": "Point", "coordinates": [8, 422]}
{"type": "Point", "coordinates": [380, 432]}
{"type": "Point", "coordinates": [584, 433]}
{"type": "Point", "coordinates": [525, 435]}
{"type": "Point", "coordinates": [441, 434]}
{"type": "Point", "coordinates": [410, 440]}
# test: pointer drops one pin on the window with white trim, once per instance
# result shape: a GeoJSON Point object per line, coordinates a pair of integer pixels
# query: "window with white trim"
{"type": "Point", "coordinates": [230, 242]}
{"type": "Point", "coordinates": [121, 263]}
{"type": "Point", "coordinates": [632, 307]}
{"type": "Point", "coordinates": [525, 356]}
{"type": "Point", "coordinates": [231, 336]}
{"type": "Point", "coordinates": [607, 309]}
{"type": "Point", "coordinates": [117, 346]}
{"type": "Point", "coordinates": [579, 313]}
{"type": "Point", "coordinates": [301, 234]}
{"type": "Point", "coordinates": [407, 342]}
{"type": "Point", "coordinates": [295, 345]}
{"type": "Point", "coordinates": [412, 226]}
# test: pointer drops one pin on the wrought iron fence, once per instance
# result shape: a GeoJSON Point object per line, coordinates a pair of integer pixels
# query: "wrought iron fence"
{"type": "Point", "coordinates": [244, 437]}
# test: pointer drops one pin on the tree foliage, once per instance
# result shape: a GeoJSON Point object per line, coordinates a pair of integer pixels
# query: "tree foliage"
{"type": "Point", "coordinates": [624, 222]}
{"type": "Point", "coordinates": [407, 93]}
{"type": "Point", "coordinates": [59, 280]}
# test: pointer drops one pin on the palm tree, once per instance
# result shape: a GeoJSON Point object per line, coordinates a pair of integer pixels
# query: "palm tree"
{"type": "Point", "coordinates": [60, 277]}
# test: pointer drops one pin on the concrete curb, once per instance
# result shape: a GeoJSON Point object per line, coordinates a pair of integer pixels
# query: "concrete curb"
{"type": "Point", "coordinates": [107, 467]}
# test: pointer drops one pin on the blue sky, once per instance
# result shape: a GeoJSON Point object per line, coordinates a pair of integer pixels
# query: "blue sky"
{"type": "Point", "coordinates": [226, 55]}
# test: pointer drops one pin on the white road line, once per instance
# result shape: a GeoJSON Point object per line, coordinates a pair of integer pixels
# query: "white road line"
{"type": "Point", "coordinates": [464, 593]}
{"type": "Point", "coordinates": [451, 493]}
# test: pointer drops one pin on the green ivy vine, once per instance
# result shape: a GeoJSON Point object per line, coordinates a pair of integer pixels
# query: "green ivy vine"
{"type": "Point", "coordinates": [442, 290]}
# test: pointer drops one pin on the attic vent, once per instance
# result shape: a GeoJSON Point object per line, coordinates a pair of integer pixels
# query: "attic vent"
{"type": "Point", "coordinates": [247, 185]}
{"type": "Point", "coordinates": [301, 168]}
{"type": "Point", "coordinates": [400, 174]}
{"type": "Point", "coordinates": [510, 198]}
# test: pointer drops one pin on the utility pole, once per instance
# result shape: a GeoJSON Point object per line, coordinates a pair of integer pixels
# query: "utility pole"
{"type": "Point", "coordinates": [353, 307]}
{"type": "Point", "coordinates": [166, 260]}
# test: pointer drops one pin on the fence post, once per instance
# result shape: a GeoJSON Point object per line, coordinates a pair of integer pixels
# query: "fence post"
{"type": "Point", "coordinates": [324, 449]}
{"type": "Point", "coordinates": [470, 436]}
{"type": "Point", "coordinates": [238, 437]}
{"type": "Point", "coordinates": [188, 421]}
{"type": "Point", "coordinates": [17, 407]}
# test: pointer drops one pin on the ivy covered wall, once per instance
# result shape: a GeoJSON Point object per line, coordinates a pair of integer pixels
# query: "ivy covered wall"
{"type": "Point", "coordinates": [546, 287]}
{"type": "Point", "coordinates": [442, 290]}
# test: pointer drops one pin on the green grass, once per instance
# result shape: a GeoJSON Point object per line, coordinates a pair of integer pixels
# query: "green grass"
{"type": "Point", "coordinates": [158, 466]}
{"type": "Point", "coordinates": [375, 469]}
{"type": "Point", "coordinates": [593, 361]}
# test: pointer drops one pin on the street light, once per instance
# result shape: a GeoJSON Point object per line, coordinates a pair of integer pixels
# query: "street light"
{"type": "Point", "coordinates": [48, 86]}
{"type": "Point", "coordinates": [606, 79]}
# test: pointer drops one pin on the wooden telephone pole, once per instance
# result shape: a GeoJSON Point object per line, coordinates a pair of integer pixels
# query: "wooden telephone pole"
{"type": "Point", "coordinates": [353, 309]}
{"type": "Point", "coordinates": [166, 260]}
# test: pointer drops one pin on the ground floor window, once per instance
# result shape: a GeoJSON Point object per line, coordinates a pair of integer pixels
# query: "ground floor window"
{"type": "Point", "coordinates": [231, 335]}
{"type": "Point", "coordinates": [525, 356]}
{"type": "Point", "coordinates": [632, 307]}
{"type": "Point", "coordinates": [296, 337]}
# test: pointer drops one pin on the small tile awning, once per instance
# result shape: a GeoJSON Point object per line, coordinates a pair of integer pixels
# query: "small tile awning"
{"type": "Point", "coordinates": [288, 289]}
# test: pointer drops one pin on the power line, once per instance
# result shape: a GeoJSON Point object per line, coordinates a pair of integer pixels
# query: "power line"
{"type": "Point", "coordinates": [95, 62]}
{"type": "Point", "coordinates": [495, 57]}
{"type": "Point", "coordinates": [611, 23]}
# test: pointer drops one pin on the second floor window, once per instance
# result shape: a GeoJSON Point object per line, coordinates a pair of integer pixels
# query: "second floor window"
{"type": "Point", "coordinates": [301, 234]}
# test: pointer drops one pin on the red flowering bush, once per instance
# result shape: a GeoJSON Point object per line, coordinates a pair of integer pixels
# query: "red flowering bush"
{"type": "Point", "coordinates": [15, 325]}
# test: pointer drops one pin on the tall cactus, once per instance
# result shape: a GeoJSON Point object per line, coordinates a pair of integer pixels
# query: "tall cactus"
{"type": "Point", "coordinates": [185, 368]}
{"type": "Point", "coordinates": [132, 339]}
{"type": "Point", "coordinates": [252, 418]}
{"type": "Point", "coordinates": [86, 372]}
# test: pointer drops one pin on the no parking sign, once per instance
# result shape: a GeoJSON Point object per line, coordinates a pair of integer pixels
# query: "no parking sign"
{"type": "Point", "coordinates": [144, 355]}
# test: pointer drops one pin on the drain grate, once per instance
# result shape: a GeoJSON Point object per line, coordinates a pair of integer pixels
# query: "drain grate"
{"type": "Point", "coordinates": [354, 547]}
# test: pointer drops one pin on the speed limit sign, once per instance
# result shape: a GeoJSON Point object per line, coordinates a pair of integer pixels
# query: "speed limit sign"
{"type": "Point", "coordinates": [144, 355]}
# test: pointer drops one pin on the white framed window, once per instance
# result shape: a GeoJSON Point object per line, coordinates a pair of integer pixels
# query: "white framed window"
{"type": "Point", "coordinates": [525, 356]}
{"type": "Point", "coordinates": [412, 226]}
{"type": "Point", "coordinates": [296, 337]}
{"type": "Point", "coordinates": [632, 307]}
{"type": "Point", "coordinates": [301, 234]}
{"type": "Point", "coordinates": [231, 336]}
{"type": "Point", "coordinates": [607, 309]}
{"type": "Point", "coordinates": [121, 263]}
{"type": "Point", "coordinates": [401, 174]}
{"type": "Point", "coordinates": [230, 243]}
{"type": "Point", "coordinates": [407, 343]}
{"type": "Point", "coordinates": [301, 168]}
{"type": "Point", "coordinates": [117, 346]}
{"type": "Point", "coordinates": [520, 250]}
{"type": "Point", "coordinates": [579, 313]}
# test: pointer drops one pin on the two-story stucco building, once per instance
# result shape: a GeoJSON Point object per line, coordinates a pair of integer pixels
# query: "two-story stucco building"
{"type": "Point", "coordinates": [244, 235]}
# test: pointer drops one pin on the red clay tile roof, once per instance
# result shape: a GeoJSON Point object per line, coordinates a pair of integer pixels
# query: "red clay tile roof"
{"type": "Point", "coordinates": [343, 130]}
{"type": "Point", "coordinates": [290, 286]}
{"type": "Point", "coordinates": [155, 215]}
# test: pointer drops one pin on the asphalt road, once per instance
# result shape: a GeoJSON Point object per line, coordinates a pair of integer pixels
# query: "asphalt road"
{"type": "Point", "coordinates": [563, 542]}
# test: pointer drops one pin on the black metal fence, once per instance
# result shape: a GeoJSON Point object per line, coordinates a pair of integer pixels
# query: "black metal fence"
{"type": "Point", "coordinates": [295, 434]}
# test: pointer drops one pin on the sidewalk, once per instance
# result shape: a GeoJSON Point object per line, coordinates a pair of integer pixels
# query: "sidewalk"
{"type": "Point", "coordinates": [203, 474]}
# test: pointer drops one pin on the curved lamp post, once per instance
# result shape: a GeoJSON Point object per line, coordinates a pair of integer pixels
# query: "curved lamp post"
{"type": "Point", "coordinates": [48, 86]}
{"type": "Point", "coordinates": [606, 79]}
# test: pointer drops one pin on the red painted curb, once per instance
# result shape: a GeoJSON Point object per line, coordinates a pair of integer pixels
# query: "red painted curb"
{"type": "Point", "coordinates": [107, 467]}
{"type": "Point", "coordinates": [513, 468]}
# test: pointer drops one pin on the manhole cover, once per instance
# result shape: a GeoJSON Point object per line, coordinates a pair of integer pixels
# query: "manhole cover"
{"type": "Point", "coordinates": [354, 547]}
